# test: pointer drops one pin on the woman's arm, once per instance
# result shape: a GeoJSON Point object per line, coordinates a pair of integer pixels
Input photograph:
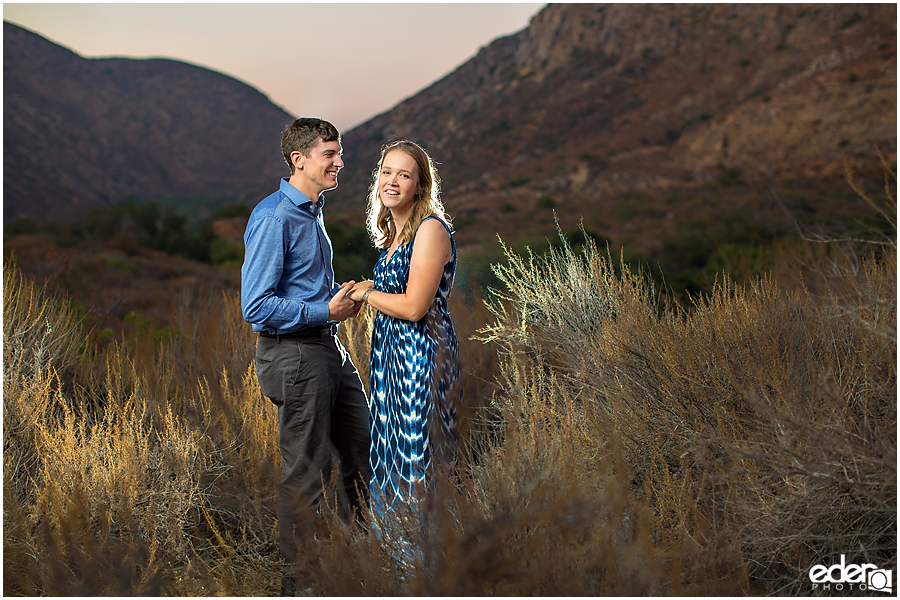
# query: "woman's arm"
{"type": "Point", "coordinates": [431, 251]}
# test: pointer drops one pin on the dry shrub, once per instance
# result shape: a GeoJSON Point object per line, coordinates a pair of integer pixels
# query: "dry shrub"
{"type": "Point", "coordinates": [542, 504]}
{"type": "Point", "coordinates": [759, 415]}
{"type": "Point", "coordinates": [37, 332]}
{"type": "Point", "coordinates": [614, 444]}
{"type": "Point", "coordinates": [140, 460]}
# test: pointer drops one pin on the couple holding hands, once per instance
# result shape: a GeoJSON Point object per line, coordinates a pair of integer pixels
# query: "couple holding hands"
{"type": "Point", "coordinates": [386, 445]}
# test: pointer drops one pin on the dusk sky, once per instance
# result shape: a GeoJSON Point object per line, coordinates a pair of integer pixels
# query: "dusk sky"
{"type": "Point", "coordinates": [342, 62]}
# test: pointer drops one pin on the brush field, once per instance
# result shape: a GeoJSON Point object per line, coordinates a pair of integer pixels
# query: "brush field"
{"type": "Point", "coordinates": [617, 441]}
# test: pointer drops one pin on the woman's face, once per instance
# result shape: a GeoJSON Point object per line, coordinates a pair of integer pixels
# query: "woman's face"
{"type": "Point", "coordinates": [398, 180]}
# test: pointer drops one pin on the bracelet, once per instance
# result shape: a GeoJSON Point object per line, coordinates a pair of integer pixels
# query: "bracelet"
{"type": "Point", "coordinates": [365, 297]}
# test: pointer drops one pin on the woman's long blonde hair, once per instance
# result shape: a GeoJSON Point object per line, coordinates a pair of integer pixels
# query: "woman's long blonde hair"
{"type": "Point", "coordinates": [427, 202]}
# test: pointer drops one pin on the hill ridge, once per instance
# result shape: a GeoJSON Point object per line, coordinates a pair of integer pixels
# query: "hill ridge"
{"type": "Point", "coordinates": [122, 127]}
{"type": "Point", "coordinates": [593, 103]}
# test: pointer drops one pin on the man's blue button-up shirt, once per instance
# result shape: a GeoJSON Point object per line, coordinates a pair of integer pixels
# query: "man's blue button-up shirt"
{"type": "Point", "coordinates": [287, 278]}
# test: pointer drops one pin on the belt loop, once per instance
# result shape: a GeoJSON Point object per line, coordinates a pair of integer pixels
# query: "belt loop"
{"type": "Point", "coordinates": [278, 339]}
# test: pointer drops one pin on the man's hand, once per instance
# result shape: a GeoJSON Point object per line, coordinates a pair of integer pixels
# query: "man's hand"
{"type": "Point", "coordinates": [341, 306]}
{"type": "Point", "coordinates": [359, 289]}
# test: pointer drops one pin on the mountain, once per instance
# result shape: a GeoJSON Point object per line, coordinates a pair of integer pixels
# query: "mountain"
{"type": "Point", "coordinates": [593, 104]}
{"type": "Point", "coordinates": [86, 132]}
{"type": "Point", "coordinates": [646, 121]}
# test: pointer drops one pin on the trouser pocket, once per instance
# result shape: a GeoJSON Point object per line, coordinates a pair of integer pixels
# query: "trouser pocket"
{"type": "Point", "coordinates": [277, 365]}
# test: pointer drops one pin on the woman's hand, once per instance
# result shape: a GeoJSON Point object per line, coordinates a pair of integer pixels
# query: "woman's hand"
{"type": "Point", "coordinates": [356, 294]}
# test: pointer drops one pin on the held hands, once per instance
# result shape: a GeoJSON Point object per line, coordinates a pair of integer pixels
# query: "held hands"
{"type": "Point", "coordinates": [342, 306]}
{"type": "Point", "coordinates": [356, 294]}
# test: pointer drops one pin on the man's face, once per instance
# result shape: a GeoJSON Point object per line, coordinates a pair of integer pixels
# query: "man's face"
{"type": "Point", "coordinates": [318, 172]}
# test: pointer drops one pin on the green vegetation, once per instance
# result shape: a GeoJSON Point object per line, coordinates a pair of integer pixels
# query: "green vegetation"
{"type": "Point", "coordinates": [225, 253]}
{"type": "Point", "coordinates": [145, 224]}
{"type": "Point", "coordinates": [168, 230]}
{"type": "Point", "coordinates": [697, 252]}
{"type": "Point", "coordinates": [730, 225]}
{"type": "Point", "coordinates": [854, 18]}
{"type": "Point", "coordinates": [23, 226]}
{"type": "Point", "coordinates": [464, 221]}
{"type": "Point", "coordinates": [546, 202]}
{"type": "Point", "coordinates": [518, 181]}
{"type": "Point", "coordinates": [475, 264]}
{"type": "Point", "coordinates": [354, 254]}
{"type": "Point", "coordinates": [144, 327]}
{"type": "Point", "coordinates": [728, 176]}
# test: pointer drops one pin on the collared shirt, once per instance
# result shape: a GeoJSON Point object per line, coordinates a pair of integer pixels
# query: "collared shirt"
{"type": "Point", "coordinates": [287, 277]}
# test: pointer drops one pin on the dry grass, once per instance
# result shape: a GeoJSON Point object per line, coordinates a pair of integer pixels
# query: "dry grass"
{"type": "Point", "coordinates": [615, 444]}
{"type": "Point", "coordinates": [761, 416]}
{"type": "Point", "coordinates": [155, 457]}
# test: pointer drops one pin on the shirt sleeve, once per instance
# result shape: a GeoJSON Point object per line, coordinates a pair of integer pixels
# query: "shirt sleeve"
{"type": "Point", "coordinates": [260, 274]}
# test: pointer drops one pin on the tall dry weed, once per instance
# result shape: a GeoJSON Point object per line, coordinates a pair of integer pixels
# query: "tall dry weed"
{"type": "Point", "coordinates": [613, 443]}
{"type": "Point", "coordinates": [759, 415]}
{"type": "Point", "coordinates": [141, 458]}
{"type": "Point", "coordinates": [38, 331]}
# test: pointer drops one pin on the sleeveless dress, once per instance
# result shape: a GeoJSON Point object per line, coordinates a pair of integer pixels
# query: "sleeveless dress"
{"type": "Point", "coordinates": [413, 383]}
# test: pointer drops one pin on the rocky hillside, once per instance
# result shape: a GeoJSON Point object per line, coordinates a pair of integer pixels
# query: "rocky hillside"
{"type": "Point", "coordinates": [632, 117]}
{"type": "Point", "coordinates": [592, 102]}
{"type": "Point", "coordinates": [80, 133]}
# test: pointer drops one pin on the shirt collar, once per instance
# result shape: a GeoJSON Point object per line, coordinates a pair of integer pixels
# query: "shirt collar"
{"type": "Point", "coordinates": [298, 197]}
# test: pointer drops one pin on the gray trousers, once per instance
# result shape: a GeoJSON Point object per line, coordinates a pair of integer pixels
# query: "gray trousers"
{"type": "Point", "coordinates": [322, 412]}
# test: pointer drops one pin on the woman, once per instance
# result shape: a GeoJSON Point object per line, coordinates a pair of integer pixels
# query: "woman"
{"type": "Point", "coordinates": [415, 365]}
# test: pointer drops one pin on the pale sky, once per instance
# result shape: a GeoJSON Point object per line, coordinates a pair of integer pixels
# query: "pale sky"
{"type": "Point", "coordinates": [341, 62]}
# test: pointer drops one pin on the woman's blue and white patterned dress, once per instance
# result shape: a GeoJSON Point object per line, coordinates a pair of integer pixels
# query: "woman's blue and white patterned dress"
{"type": "Point", "coordinates": [413, 382]}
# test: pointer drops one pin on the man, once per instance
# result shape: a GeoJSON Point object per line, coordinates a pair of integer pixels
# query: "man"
{"type": "Point", "coordinates": [289, 295]}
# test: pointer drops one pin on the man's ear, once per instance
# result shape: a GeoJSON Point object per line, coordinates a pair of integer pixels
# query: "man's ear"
{"type": "Point", "coordinates": [297, 159]}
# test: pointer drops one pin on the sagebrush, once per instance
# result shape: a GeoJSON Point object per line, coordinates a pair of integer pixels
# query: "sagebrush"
{"type": "Point", "coordinates": [615, 442]}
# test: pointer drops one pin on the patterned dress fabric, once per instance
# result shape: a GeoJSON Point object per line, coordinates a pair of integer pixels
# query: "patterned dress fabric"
{"type": "Point", "coordinates": [413, 382]}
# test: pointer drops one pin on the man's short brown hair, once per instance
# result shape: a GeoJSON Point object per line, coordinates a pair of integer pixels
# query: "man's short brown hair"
{"type": "Point", "coordinates": [303, 134]}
